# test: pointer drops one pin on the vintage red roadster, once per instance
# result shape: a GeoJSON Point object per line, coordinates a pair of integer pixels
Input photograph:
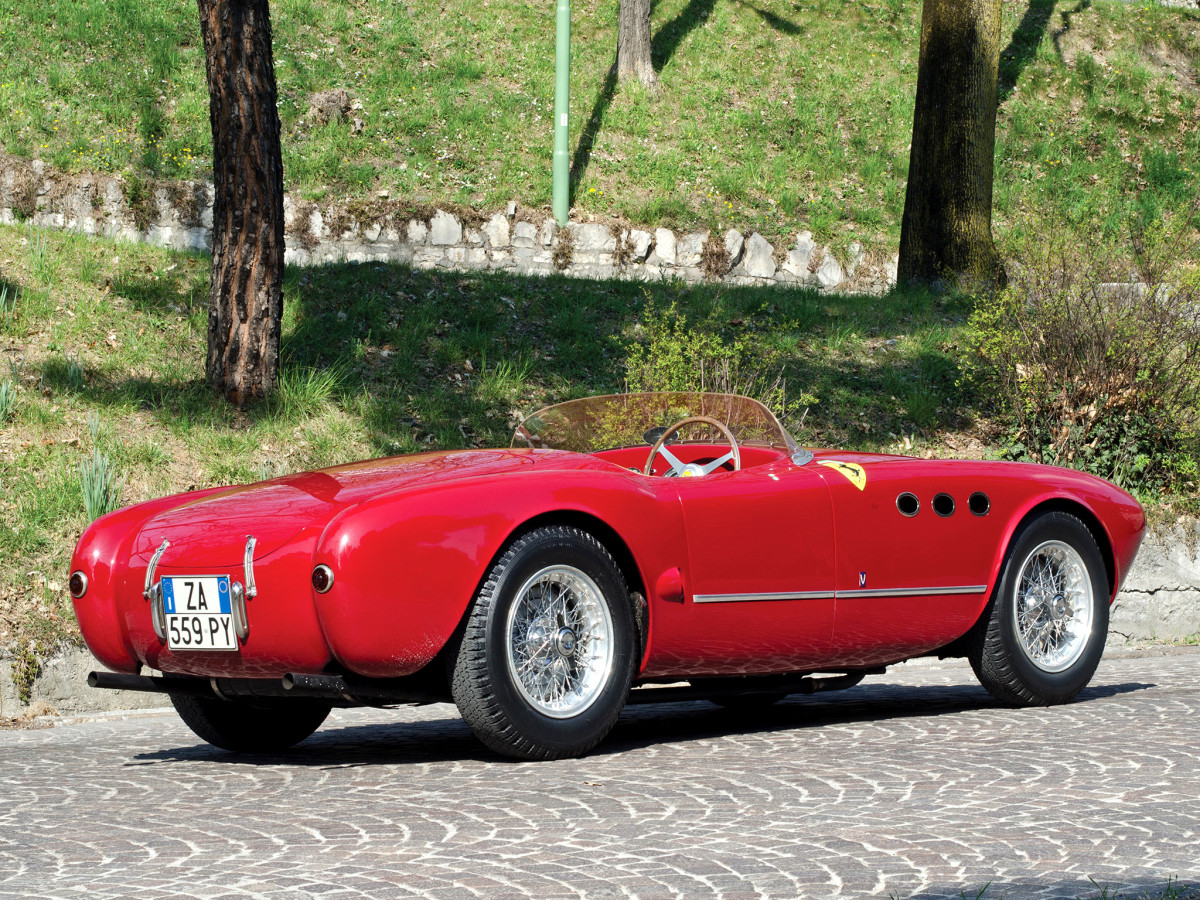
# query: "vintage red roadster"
{"type": "Point", "coordinates": [630, 548]}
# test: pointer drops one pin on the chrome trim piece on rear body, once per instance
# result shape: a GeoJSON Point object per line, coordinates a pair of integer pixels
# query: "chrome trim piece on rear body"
{"type": "Point", "coordinates": [832, 595]}
{"type": "Point", "coordinates": [248, 567]}
{"type": "Point", "coordinates": [237, 605]}
{"type": "Point", "coordinates": [153, 593]}
{"type": "Point", "coordinates": [154, 565]}
{"type": "Point", "coordinates": [158, 615]}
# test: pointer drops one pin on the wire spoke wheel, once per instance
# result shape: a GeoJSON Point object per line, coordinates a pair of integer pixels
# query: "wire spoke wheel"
{"type": "Point", "coordinates": [1053, 606]}
{"type": "Point", "coordinates": [559, 641]}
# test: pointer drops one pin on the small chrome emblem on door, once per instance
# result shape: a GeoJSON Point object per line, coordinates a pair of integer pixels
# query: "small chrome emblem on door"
{"type": "Point", "coordinates": [862, 579]}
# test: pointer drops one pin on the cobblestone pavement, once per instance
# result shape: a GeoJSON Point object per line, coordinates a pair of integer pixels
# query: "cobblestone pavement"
{"type": "Point", "coordinates": [913, 784]}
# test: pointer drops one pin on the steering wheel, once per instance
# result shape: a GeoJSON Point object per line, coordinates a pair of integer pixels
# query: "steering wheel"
{"type": "Point", "coordinates": [687, 470]}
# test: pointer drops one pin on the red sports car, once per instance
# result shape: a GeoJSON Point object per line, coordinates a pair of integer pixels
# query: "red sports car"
{"type": "Point", "coordinates": [629, 548]}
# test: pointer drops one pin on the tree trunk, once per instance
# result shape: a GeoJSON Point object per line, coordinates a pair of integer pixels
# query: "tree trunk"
{"type": "Point", "coordinates": [633, 43]}
{"type": "Point", "coordinates": [946, 232]}
{"type": "Point", "coordinates": [245, 293]}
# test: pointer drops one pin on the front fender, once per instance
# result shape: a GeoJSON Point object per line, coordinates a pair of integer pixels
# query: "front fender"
{"type": "Point", "coordinates": [1117, 514]}
{"type": "Point", "coordinates": [407, 565]}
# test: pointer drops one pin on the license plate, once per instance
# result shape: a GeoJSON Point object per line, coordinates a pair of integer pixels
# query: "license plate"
{"type": "Point", "coordinates": [198, 612]}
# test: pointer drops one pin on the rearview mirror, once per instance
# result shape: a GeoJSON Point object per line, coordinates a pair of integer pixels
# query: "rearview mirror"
{"type": "Point", "coordinates": [653, 434]}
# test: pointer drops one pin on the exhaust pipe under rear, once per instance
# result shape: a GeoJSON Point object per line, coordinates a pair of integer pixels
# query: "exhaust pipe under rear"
{"type": "Point", "coordinates": [336, 688]}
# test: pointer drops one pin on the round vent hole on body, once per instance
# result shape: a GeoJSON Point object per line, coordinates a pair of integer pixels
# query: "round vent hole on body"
{"type": "Point", "coordinates": [979, 504]}
{"type": "Point", "coordinates": [943, 505]}
{"type": "Point", "coordinates": [908, 504]}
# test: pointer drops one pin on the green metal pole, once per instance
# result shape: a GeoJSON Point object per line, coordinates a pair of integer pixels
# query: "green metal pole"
{"type": "Point", "coordinates": [562, 103]}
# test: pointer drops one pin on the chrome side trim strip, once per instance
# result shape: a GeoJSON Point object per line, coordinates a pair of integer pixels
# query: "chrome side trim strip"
{"type": "Point", "coordinates": [832, 595]}
{"type": "Point", "coordinates": [743, 598]}
{"type": "Point", "coordinates": [917, 592]}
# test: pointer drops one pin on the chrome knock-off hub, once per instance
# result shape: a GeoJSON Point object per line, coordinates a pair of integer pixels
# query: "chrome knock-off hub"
{"type": "Point", "coordinates": [564, 643]}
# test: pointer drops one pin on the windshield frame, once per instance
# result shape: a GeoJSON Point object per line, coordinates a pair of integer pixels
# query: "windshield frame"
{"type": "Point", "coordinates": [581, 413]}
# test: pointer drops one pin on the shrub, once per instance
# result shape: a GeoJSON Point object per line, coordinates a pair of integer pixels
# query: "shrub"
{"type": "Point", "coordinates": [139, 195]}
{"type": "Point", "coordinates": [670, 353]}
{"type": "Point", "coordinates": [1097, 373]}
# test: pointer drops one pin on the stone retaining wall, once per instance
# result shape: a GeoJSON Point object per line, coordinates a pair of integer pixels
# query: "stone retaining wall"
{"type": "Point", "coordinates": [1161, 596]}
{"type": "Point", "coordinates": [527, 242]}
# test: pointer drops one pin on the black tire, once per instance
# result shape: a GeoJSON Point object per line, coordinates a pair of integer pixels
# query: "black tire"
{"type": "Point", "coordinates": [259, 726]}
{"type": "Point", "coordinates": [486, 686]}
{"type": "Point", "coordinates": [1002, 660]}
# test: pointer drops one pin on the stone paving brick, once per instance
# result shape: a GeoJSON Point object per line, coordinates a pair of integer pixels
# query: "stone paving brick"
{"type": "Point", "coordinates": [914, 784]}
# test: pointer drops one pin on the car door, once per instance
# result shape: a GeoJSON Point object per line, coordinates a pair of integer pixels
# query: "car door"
{"type": "Point", "coordinates": [908, 577]}
{"type": "Point", "coordinates": [760, 579]}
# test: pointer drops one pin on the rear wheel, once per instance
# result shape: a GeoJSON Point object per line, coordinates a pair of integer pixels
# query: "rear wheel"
{"type": "Point", "coordinates": [259, 726]}
{"type": "Point", "coordinates": [547, 655]}
{"type": "Point", "coordinates": [1044, 630]}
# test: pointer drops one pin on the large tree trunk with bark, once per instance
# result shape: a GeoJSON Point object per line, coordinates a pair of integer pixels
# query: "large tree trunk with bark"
{"type": "Point", "coordinates": [946, 232]}
{"type": "Point", "coordinates": [633, 43]}
{"type": "Point", "coordinates": [246, 301]}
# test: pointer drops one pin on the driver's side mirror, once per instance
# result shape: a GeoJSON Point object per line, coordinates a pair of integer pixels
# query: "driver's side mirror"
{"type": "Point", "coordinates": [653, 434]}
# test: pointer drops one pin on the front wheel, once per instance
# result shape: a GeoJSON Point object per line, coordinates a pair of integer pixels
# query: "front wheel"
{"type": "Point", "coordinates": [258, 726]}
{"type": "Point", "coordinates": [1042, 634]}
{"type": "Point", "coordinates": [547, 654]}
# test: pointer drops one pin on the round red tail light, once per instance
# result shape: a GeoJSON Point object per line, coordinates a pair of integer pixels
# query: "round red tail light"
{"type": "Point", "coordinates": [78, 584]}
{"type": "Point", "coordinates": [322, 579]}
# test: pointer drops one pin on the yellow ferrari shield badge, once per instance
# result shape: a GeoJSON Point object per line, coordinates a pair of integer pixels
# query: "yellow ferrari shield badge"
{"type": "Point", "coordinates": [854, 473]}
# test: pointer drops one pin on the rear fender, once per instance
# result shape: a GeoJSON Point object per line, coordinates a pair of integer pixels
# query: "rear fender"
{"type": "Point", "coordinates": [102, 554]}
{"type": "Point", "coordinates": [407, 565]}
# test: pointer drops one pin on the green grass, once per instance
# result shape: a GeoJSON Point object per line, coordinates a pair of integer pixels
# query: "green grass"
{"type": "Point", "coordinates": [107, 351]}
{"type": "Point", "coordinates": [776, 115]}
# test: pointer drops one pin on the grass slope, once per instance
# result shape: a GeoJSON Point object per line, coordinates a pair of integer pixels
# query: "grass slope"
{"type": "Point", "coordinates": [774, 114]}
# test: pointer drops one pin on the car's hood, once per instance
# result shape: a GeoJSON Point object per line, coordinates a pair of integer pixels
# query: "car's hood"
{"type": "Point", "coordinates": [213, 531]}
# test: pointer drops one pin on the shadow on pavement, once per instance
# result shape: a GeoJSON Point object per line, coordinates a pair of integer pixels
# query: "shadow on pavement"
{"type": "Point", "coordinates": [1166, 886]}
{"type": "Point", "coordinates": [448, 739]}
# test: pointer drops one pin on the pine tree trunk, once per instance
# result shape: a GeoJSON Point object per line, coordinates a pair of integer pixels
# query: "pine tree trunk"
{"type": "Point", "coordinates": [245, 293]}
{"type": "Point", "coordinates": [633, 43]}
{"type": "Point", "coordinates": [946, 232]}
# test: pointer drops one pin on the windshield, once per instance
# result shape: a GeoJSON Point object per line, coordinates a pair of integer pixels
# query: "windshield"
{"type": "Point", "coordinates": [623, 420]}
